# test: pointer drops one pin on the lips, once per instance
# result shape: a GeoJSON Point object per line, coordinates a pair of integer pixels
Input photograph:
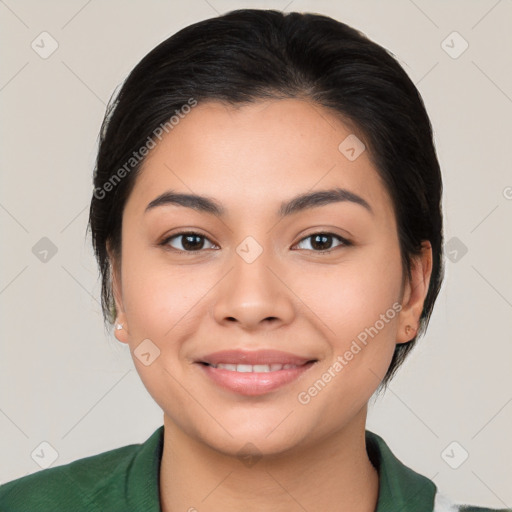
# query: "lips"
{"type": "Point", "coordinates": [253, 373]}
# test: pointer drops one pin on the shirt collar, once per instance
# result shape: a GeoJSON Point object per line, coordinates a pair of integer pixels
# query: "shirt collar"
{"type": "Point", "coordinates": [143, 482]}
{"type": "Point", "coordinates": [400, 488]}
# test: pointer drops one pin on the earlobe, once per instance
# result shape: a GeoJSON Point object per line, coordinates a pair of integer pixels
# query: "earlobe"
{"type": "Point", "coordinates": [120, 332]}
{"type": "Point", "coordinates": [410, 332]}
{"type": "Point", "coordinates": [120, 326]}
{"type": "Point", "coordinates": [415, 293]}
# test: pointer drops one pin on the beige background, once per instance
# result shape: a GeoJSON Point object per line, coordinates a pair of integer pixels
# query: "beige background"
{"type": "Point", "coordinates": [65, 381]}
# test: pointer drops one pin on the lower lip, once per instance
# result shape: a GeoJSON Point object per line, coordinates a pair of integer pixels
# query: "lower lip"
{"type": "Point", "coordinates": [253, 383]}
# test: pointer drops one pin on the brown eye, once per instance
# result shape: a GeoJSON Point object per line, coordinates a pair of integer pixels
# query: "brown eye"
{"type": "Point", "coordinates": [186, 242]}
{"type": "Point", "coordinates": [322, 242]}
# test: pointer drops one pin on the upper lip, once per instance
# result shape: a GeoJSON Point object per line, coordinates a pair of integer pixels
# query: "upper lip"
{"type": "Point", "coordinates": [253, 357]}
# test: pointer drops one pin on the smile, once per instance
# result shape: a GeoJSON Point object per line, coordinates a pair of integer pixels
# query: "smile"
{"type": "Point", "coordinates": [249, 368]}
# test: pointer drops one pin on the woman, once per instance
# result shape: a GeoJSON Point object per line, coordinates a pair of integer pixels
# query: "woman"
{"type": "Point", "coordinates": [267, 219]}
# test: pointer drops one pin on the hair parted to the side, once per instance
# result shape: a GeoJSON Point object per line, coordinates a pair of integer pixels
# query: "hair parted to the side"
{"type": "Point", "coordinates": [247, 55]}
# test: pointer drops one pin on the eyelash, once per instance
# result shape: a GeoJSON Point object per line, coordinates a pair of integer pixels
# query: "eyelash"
{"type": "Point", "coordinates": [165, 242]}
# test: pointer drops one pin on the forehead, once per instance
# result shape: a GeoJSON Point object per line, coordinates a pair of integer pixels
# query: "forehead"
{"type": "Point", "coordinates": [257, 155]}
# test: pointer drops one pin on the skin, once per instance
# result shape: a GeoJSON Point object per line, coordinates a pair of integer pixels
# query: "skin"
{"type": "Point", "coordinates": [291, 298]}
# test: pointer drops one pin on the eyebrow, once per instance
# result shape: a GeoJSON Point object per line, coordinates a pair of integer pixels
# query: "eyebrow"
{"type": "Point", "coordinates": [296, 204]}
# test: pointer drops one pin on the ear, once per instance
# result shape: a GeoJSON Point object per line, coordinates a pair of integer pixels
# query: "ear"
{"type": "Point", "coordinates": [414, 294]}
{"type": "Point", "coordinates": [123, 333]}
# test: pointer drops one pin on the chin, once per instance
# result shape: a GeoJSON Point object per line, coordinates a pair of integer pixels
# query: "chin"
{"type": "Point", "coordinates": [252, 443]}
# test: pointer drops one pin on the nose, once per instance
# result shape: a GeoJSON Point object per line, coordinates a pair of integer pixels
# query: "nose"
{"type": "Point", "coordinates": [254, 295]}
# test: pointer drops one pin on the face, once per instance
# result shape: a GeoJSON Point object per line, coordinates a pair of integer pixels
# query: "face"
{"type": "Point", "coordinates": [320, 281]}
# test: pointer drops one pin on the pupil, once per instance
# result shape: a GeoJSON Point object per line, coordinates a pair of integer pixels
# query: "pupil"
{"type": "Point", "coordinates": [187, 245]}
{"type": "Point", "coordinates": [320, 242]}
{"type": "Point", "coordinates": [324, 239]}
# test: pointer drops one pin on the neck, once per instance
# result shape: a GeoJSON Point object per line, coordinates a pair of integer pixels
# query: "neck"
{"type": "Point", "coordinates": [333, 474]}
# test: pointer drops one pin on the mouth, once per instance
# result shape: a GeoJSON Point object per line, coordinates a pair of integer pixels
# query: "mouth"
{"type": "Point", "coordinates": [253, 373]}
{"type": "Point", "coordinates": [256, 368]}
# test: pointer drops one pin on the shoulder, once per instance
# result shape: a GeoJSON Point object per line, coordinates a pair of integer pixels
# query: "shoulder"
{"type": "Point", "coordinates": [71, 485]}
{"type": "Point", "coordinates": [401, 488]}
{"type": "Point", "coordinates": [443, 504]}
{"type": "Point", "coordinates": [470, 508]}
{"type": "Point", "coordinates": [88, 484]}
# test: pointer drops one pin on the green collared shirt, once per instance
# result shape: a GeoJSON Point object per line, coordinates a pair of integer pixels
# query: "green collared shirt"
{"type": "Point", "coordinates": [127, 480]}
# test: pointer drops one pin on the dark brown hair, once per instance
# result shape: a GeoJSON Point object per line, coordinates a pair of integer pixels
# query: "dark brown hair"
{"type": "Point", "coordinates": [250, 54]}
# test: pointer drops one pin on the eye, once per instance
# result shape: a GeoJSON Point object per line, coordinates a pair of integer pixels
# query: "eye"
{"type": "Point", "coordinates": [190, 241]}
{"type": "Point", "coordinates": [322, 242]}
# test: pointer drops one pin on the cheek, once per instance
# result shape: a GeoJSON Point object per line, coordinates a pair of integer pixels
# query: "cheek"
{"type": "Point", "coordinates": [351, 295]}
{"type": "Point", "coordinates": [160, 298]}
{"type": "Point", "coordinates": [357, 302]}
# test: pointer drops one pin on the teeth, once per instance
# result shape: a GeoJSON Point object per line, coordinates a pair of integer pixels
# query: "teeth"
{"type": "Point", "coordinates": [248, 368]}
{"type": "Point", "coordinates": [231, 367]}
{"type": "Point", "coordinates": [261, 368]}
